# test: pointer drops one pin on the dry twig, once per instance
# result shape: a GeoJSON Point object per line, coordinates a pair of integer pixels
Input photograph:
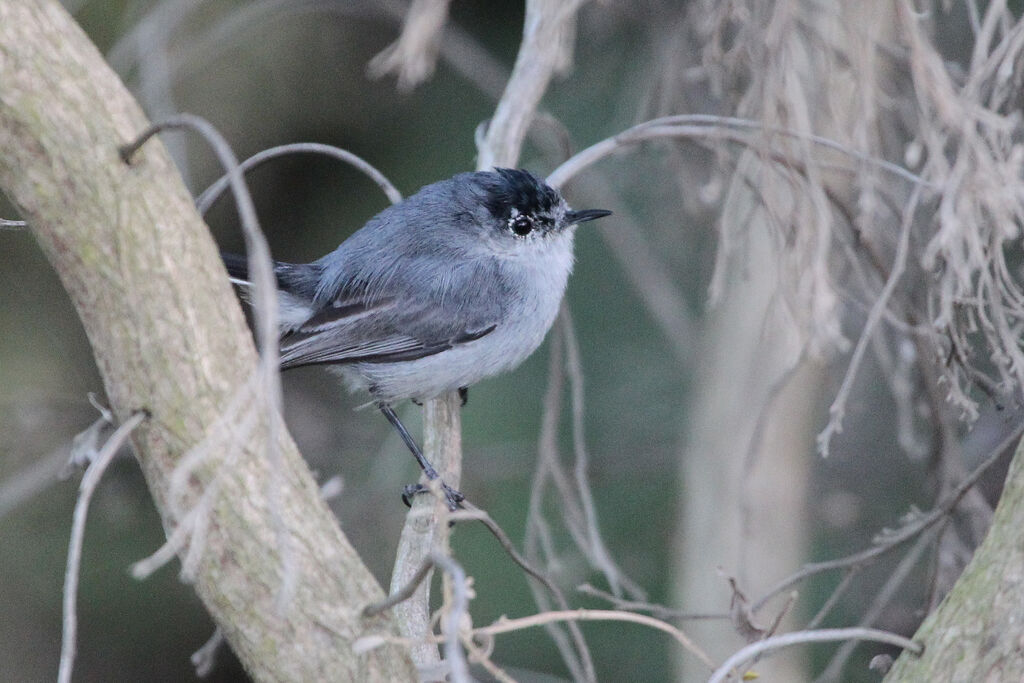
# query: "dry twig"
{"type": "Point", "coordinates": [825, 635]}
{"type": "Point", "coordinates": [890, 539]}
{"type": "Point", "coordinates": [85, 490]}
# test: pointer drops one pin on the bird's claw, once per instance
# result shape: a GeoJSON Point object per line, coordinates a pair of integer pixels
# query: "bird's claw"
{"type": "Point", "coordinates": [452, 497]}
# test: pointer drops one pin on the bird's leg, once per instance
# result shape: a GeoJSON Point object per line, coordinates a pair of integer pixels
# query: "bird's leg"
{"type": "Point", "coordinates": [421, 459]}
{"type": "Point", "coordinates": [453, 497]}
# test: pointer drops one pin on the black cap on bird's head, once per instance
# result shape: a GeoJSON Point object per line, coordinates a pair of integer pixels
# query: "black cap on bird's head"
{"type": "Point", "coordinates": [525, 202]}
{"type": "Point", "coordinates": [512, 190]}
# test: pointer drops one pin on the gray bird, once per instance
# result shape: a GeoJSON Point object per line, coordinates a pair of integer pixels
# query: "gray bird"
{"type": "Point", "coordinates": [459, 282]}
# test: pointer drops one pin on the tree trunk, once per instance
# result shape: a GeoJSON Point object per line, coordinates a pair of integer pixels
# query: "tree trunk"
{"type": "Point", "coordinates": [742, 505]}
{"type": "Point", "coordinates": [975, 634]}
{"type": "Point", "coordinates": [169, 338]}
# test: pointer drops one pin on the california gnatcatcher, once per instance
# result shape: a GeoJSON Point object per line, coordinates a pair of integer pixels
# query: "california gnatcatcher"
{"type": "Point", "coordinates": [458, 282]}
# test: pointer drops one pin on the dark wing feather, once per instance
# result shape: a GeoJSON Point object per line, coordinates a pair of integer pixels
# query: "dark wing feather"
{"type": "Point", "coordinates": [397, 291]}
{"type": "Point", "coordinates": [359, 332]}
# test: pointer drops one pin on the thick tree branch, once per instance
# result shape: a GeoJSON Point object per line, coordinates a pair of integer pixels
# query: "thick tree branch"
{"type": "Point", "coordinates": [169, 338]}
{"type": "Point", "coordinates": [975, 633]}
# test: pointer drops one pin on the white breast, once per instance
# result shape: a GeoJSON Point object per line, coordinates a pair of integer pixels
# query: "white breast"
{"type": "Point", "coordinates": [544, 267]}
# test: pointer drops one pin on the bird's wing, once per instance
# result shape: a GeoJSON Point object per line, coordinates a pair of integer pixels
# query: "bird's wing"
{"type": "Point", "coordinates": [394, 292]}
{"type": "Point", "coordinates": [366, 323]}
{"type": "Point", "coordinates": [380, 332]}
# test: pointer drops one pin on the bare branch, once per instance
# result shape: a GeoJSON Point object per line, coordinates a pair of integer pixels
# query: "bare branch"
{"type": "Point", "coordinates": [85, 490]}
{"type": "Point", "coordinates": [838, 408]}
{"type": "Point", "coordinates": [547, 39]}
{"type": "Point", "coordinates": [880, 602]}
{"type": "Point", "coordinates": [169, 337]}
{"type": "Point", "coordinates": [211, 194]}
{"type": "Point", "coordinates": [702, 126]}
{"type": "Point", "coordinates": [825, 635]}
{"type": "Point", "coordinates": [505, 625]}
{"type": "Point", "coordinates": [659, 611]}
{"type": "Point", "coordinates": [426, 531]}
{"type": "Point", "coordinates": [403, 593]}
{"type": "Point", "coordinates": [413, 56]}
{"type": "Point", "coordinates": [890, 540]}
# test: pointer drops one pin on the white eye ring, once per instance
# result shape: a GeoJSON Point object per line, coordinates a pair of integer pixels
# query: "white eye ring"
{"type": "Point", "coordinates": [521, 225]}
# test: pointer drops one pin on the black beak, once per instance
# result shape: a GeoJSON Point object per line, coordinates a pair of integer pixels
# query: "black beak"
{"type": "Point", "coordinates": [574, 217]}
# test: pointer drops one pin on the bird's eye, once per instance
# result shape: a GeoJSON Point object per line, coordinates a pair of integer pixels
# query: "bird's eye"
{"type": "Point", "coordinates": [521, 225]}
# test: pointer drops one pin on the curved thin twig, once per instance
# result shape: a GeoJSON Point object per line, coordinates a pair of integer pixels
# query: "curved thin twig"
{"type": "Point", "coordinates": [504, 625]}
{"type": "Point", "coordinates": [265, 310]}
{"type": "Point", "coordinates": [452, 618]}
{"type": "Point", "coordinates": [211, 194]}
{"type": "Point", "coordinates": [507, 625]}
{"type": "Point", "coordinates": [85, 490]}
{"type": "Point", "coordinates": [450, 622]}
{"type": "Point", "coordinates": [825, 635]}
{"type": "Point", "coordinates": [708, 126]}
{"type": "Point", "coordinates": [838, 408]}
{"type": "Point", "coordinates": [471, 511]}
{"type": "Point", "coordinates": [880, 602]}
{"type": "Point", "coordinates": [656, 610]}
{"type": "Point", "coordinates": [404, 593]}
{"type": "Point", "coordinates": [901, 535]}
{"type": "Point", "coordinates": [261, 270]}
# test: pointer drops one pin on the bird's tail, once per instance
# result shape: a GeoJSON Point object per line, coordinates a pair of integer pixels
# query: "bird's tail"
{"type": "Point", "coordinates": [297, 279]}
{"type": "Point", "coordinates": [237, 265]}
{"type": "Point", "coordinates": [295, 286]}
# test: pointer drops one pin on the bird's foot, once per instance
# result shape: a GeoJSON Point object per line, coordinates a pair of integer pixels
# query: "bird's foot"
{"type": "Point", "coordinates": [452, 497]}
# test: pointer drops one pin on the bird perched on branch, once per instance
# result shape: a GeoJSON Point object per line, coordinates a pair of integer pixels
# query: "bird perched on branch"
{"type": "Point", "coordinates": [459, 282]}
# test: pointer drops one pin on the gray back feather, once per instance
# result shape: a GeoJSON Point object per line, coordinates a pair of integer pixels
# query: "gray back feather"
{"type": "Point", "coordinates": [395, 291]}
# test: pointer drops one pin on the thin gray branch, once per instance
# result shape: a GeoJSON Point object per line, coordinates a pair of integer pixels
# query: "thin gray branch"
{"type": "Point", "coordinates": [900, 536]}
{"type": "Point", "coordinates": [211, 194]}
{"type": "Point", "coordinates": [87, 487]}
{"type": "Point", "coordinates": [838, 408]}
{"type": "Point", "coordinates": [880, 602]}
{"type": "Point", "coordinates": [702, 126]}
{"type": "Point", "coordinates": [799, 637]}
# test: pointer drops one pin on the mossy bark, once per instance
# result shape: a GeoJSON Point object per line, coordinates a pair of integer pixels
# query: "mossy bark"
{"type": "Point", "coordinates": [977, 633]}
